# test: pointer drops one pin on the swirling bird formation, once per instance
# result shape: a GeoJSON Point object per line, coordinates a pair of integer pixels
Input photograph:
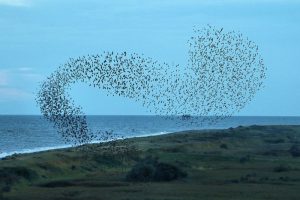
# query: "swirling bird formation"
{"type": "Point", "coordinates": [223, 73]}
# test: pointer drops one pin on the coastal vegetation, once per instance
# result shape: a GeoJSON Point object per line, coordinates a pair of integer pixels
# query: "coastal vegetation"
{"type": "Point", "coordinates": [255, 162]}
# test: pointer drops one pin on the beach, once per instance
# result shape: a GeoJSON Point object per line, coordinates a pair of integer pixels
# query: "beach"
{"type": "Point", "coordinates": [247, 162]}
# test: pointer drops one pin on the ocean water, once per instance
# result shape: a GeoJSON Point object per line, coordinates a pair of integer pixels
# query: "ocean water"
{"type": "Point", "coordinates": [24, 134]}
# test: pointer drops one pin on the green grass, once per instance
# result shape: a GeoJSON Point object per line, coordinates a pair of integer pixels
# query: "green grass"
{"type": "Point", "coordinates": [243, 163]}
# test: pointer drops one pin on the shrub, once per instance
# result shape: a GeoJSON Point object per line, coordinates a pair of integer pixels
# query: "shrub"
{"type": "Point", "coordinates": [6, 188]}
{"type": "Point", "coordinates": [275, 141]}
{"type": "Point", "coordinates": [149, 169]}
{"type": "Point", "coordinates": [295, 151]}
{"type": "Point", "coordinates": [282, 168]}
{"type": "Point", "coordinates": [245, 159]}
{"type": "Point", "coordinates": [107, 159]}
{"type": "Point", "coordinates": [10, 175]}
{"type": "Point", "coordinates": [167, 172]}
{"type": "Point", "coordinates": [141, 172]}
{"type": "Point", "coordinates": [286, 178]}
{"type": "Point", "coordinates": [54, 184]}
{"type": "Point", "coordinates": [263, 179]}
{"type": "Point", "coordinates": [250, 178]}
{"type": "Point", "coordinates": [234, 181]}
{"type": "Point", "coordinates": [223, 146]}
{"type": "Point", "coordinates": [73, 167]}
{"type": "Point", "coordinates": [271, 153]}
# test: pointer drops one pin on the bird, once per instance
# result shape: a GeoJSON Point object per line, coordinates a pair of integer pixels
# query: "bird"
{"type": "Point", "coordinates": [222, 74]}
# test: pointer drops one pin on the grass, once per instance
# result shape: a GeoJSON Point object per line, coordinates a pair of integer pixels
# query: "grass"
{"type": "Point", "coordinates": [256, 162]}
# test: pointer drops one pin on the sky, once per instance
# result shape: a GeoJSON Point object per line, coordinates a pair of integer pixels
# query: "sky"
{"type": "Point", "coordinates": [37, 36]}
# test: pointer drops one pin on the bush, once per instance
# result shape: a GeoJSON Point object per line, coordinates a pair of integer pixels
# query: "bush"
{"type": "Point", "coordinates": [223, 146]}
{"type": "Point", "coordinates": [107, 159]}
{"type": "Point", "coordinates": [167, 172]}
{"type": "Point", "coordinates": [6, 188]}
{"type": "Point", "coordinates": [149, 169]}
{"type": "Point", "coordinates": [271, 153]}
{"type": "Point", "coordinates": [295, 151]}
{"type": "Point", "coordinates": [282, 168]}
{"type": "Point", "coordinates": [10, 175]}
{"type": "Point", "coordinates": [275, 141]}
{"type": "Point", "coordinates": [73, 167]}
{"type": "Point", "coordinates": [245, 159]}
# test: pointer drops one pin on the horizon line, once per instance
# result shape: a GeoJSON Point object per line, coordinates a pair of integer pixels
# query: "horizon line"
{"type": "Point", "coordinates": [158, 115]}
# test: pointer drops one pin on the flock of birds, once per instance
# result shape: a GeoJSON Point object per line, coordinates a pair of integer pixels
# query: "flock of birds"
{"type": "Point", "coordinates": [223, 73]}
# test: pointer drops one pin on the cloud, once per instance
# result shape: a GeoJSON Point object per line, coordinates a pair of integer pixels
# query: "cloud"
{"type": "Point", "coordinates": [18, 3]}
{"type": "Point", "coordinates": [26, 3]}
{"type": "Point", "coordinates": [242, 1]}
{"type": "Point", "coordinates": [32, 76]}
{"type": "Point", "coordinates": [24, 74]}
{"type": "Point", "coordinates": [18, 84]}
{"type": "Point", "coordinates": [28, 74]}
{"type": "Point", "coordinates": [3, 78]}
{"type": "Point", "coordinates": [13, 94]}
{"type": "Point", "coordinates": [25, 69]}
{"type": "Point", "coordinates": [211, 2]}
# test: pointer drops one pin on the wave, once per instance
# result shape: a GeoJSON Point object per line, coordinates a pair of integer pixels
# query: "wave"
{"type": "Point", "coordinates": [33, 150]}
{"type": "Point", "coordinates": [41, 149]}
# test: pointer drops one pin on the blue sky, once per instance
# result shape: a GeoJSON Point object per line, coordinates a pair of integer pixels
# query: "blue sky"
{"type": "Point", "coordinates": [36, 36]}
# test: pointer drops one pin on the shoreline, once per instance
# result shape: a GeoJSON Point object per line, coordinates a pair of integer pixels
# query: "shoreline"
{"type": "Point", "coordinates": [66, 146]}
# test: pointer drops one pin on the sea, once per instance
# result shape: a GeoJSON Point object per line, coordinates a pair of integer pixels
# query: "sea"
{"type": "Point", "coordinates": [26, 134]}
